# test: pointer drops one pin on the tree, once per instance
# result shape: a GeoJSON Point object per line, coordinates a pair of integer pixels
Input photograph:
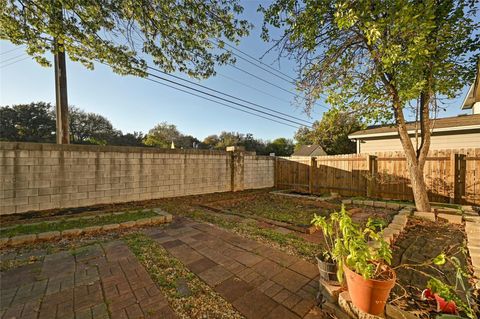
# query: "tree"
{"type": "Point", "coordinates": [32, 122]}
{"type": "Point", "coordinates": [90, 128]}
{"type": "Point", "coordinates": [280, 146]}
{"type": "Point", "coordinates": [162, 135]}
{"type": "Point", "coordinates": [331, 132]}
{"type": "Point", "coordinates": [175, 34]}
{"type": "Point", "coordinates": [211, 141]}
{"type": "Point", "coordinates": [374, 58]}
{"type": "Point", "coordinates": [129, 139]}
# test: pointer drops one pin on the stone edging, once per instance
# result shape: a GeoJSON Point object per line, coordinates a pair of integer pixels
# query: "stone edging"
{"type": "Point", "coordinates": [472, 231]}
{"type": "Point", "coordinates": [163, 217]}
{"type": "Point", "coordinates": [317, 198]}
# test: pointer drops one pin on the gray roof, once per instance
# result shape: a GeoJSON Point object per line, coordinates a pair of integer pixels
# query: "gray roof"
{"type": "Point", "coordinates": [309, 150]}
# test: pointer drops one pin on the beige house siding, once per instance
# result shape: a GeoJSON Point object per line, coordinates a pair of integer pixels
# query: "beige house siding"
{"type": "Point", "coordinates": [470, 139]}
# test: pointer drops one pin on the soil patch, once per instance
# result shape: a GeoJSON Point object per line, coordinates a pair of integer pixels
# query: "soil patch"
{"type": "Point", "coordinates": [421, 241]}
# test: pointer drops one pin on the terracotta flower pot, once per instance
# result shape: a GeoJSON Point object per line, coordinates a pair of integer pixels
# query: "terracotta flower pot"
{"type": "Point", "coordinates": [370, 295]}
{"type": "Point", "coordinates": [328, 271]}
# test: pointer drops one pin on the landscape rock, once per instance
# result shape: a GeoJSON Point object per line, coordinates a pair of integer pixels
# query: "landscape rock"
{"type": "Point", "coordinates": [451, 218]}
{"type": "Point", "coordinates": [425, 215]}
{"type": "Point", "coordinates": [128, 224]}
{"type": "Point", "coordinates": [144, 221]}
{"type": "Point", "coordinates": [22, 239]}
{"type": "Point", "coordinates": [92, 229]}
{"type": "Point", "coordinates": [72, 232]}
{"type": "Point", "coordinates": [110, 227]}
{"type": "Point", "coordinates": [50, 235]}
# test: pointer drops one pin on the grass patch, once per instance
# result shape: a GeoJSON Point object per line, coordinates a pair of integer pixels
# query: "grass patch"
{"type": "Point", "coordinates": [166, 270]}
{"type": "Point", "coordinates": [274, 207]}
{"type": "Point", "coordinates": [64, 224]}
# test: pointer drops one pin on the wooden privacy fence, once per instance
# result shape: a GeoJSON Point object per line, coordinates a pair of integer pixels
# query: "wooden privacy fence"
{"type": "Point", "coordinates": [451, 175]}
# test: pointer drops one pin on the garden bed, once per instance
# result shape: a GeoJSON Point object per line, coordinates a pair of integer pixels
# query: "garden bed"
{"type": "Point", "coordinates": [295, 211]}
{"type": "Point", "coordinates": [421, 241]}
{"type": "Point", "coordinates": [71, 223]}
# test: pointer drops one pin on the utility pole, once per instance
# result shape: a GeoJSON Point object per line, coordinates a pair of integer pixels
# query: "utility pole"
{"type": "Point", "coordinates": [63, 135]}
{"type": "Point", "coordinates": [61, 107]}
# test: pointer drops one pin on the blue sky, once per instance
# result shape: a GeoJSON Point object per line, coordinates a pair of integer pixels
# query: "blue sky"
{"type": "Point", "coordinates": [135, 104]}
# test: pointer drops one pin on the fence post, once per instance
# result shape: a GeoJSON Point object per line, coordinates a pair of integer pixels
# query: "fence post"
{"type": "Point", "coordinates": [372, 175]}
{"type": "Point", "coordinates": [275, 172]}
{"type": "Point", "coordinates": [458, 168]}
{"type": "Point", "coordinates": [311, 168]}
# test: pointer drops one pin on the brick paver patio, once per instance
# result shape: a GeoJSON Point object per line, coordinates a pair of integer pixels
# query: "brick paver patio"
{"type": "Point", "coordinates": [98, 282]}
{"type": "Point", "coordinates": [259, 281]}
{"type": "Point", "coordinates": [107, 281]}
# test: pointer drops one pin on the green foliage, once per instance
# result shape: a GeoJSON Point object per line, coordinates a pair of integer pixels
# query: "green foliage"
{"type": "Point", "coordinates": [32, 122]}
{"type": "Point", "coordinates": [372, 57]}
{"type": "Point", "coordinates": [331, 133]}
{"type": "Point", "coordinates": [162, 135]}
{"type": "Point", "coordinates": [280, 146]}
{"type": "Point", "coordinates": [452, 293]}
{"type": "Point", "coordinates": [64, 224]}
{"type": "Point", "coordinates": [35, 122]}
{"type": "Point", "coordinates": [174, 34]}
{"type": "Point", "coordinates": [90, 128]}
{"type": "Point", "coordinates": [362, 250]}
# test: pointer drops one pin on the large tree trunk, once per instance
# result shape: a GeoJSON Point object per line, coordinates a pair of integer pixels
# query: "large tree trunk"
{"type": "Point", "coordinates": [416, 158]}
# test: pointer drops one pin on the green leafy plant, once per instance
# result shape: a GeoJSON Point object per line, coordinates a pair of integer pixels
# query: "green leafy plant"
{"type": "Point", "coordinates": [444, 290]}
{"type": "Point", "coordinates": [348, 244]}
{"type": "Point", "coordinates": [451, 293]}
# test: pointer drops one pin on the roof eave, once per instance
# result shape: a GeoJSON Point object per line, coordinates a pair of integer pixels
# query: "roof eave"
{"type": "Point", "coordinates": [395, 133]}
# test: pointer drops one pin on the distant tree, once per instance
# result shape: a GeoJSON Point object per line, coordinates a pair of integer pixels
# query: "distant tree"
{"type": "Point", "coordinates": [211, 141]}
{"type": "Point", "coordinates": [90, 128]}
{"type": "Point", "coordinates": [331, 132]}
{"type": "Point", "coordinates": [187, 141]}
{"type": "Point", "coordinates": [162, 135]}
{"type": "Point", "coordinates": [229, 139]}
{"type": "Point", "coordinates": [129, 139]}
{"type": "Point", "coordinates": [280, 146]}
{"type": "Point", "coordinates": [32, 122]}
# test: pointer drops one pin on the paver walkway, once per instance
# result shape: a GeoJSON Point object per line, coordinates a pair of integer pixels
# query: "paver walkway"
{"type": "Point", "coordinates": [98, 282]}
{"type": "Point", "coordinates": [259, 281]}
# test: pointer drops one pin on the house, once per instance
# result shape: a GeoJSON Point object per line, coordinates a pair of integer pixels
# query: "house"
{"type": "Point", "coordinates": [461, 131]}
{"type": "Point", "coordinates": [309, 150]}
{"type": "Point", "coordinates": [472, 99]}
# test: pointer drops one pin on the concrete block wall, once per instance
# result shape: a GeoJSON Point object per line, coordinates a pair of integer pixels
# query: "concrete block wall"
{"type": "Point", "coordinates": [37, 176]}
{"type": "Point", "coordinates": [259, 172]}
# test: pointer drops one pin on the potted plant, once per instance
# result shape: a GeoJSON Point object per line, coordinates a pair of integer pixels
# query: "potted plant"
{"type": "Point", "coordinates": [364, 257]}
{"type": "Point", "coordinates": [327, 265]}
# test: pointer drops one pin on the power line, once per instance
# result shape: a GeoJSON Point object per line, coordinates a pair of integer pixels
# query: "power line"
{"type": "Point", "coordinates": [258, 60]}
{"type": "Point", "coordinates": [252, 63]}
{"type": "Point", "coordinates": [224, 104]}
{"type": "Point", "coordinates": [252, 87]}
{"type": "Point", "coordinates": [231, 96]}
{"type": "Point", "coordinates": [227, 100]}
{"type": "Point", "coordinates": [272, 84]}
{"type": "Point", "coordinates": [14, 49]}
{"type": "Point", "coordinates": [13, 58]}
{"type": "Point", "coordinates": [290, 81]}
{"type": "Point", "coordinates": [8, 64]}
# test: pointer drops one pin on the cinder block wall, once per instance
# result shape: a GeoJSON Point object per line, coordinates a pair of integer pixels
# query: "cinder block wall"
{"type": "Point", "coordinates": [47, 176]}
{"type": "Point", "coordinates": [258, 172]}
